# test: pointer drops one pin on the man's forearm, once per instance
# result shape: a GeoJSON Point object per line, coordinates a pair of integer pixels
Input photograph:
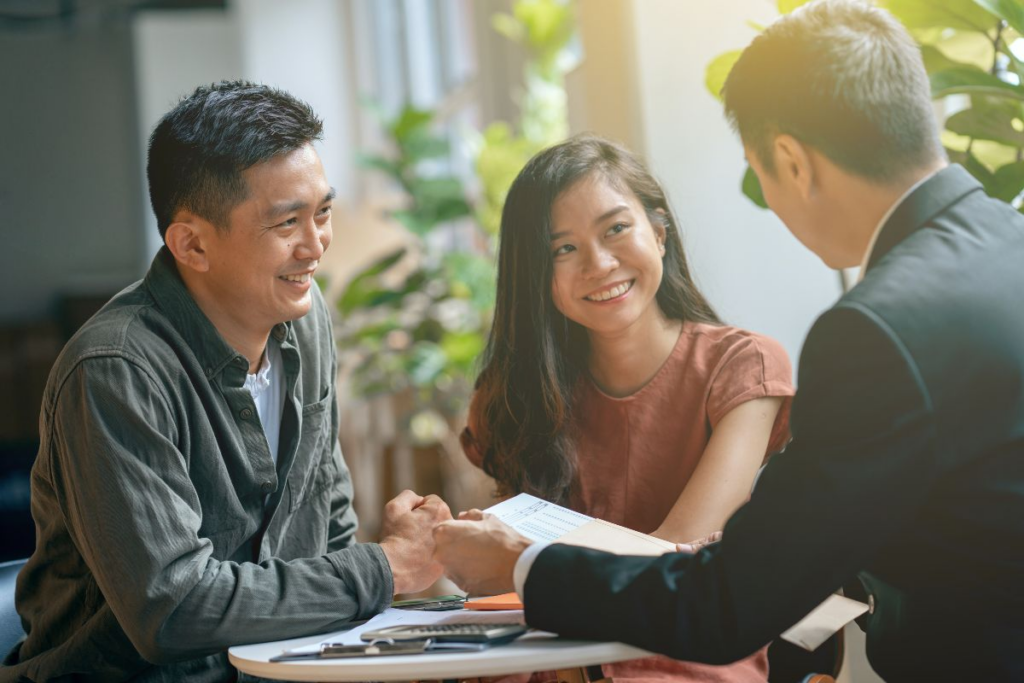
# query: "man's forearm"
{"type": "Point", "coordinates": [235, 603]}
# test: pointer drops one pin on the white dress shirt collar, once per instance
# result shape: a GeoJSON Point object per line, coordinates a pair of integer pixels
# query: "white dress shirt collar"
{"type": "Point", "coordinates": [885, 219]}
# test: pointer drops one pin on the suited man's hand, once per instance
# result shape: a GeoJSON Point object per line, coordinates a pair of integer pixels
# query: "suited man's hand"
{"type": "Point", "coordinates": [479, 552]}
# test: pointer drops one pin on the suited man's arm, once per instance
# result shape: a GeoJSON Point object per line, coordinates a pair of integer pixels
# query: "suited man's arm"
{"type": "Point", "coordinates": [860, 463]}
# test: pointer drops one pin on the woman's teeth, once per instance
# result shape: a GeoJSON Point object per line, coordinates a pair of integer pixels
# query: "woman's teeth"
{"type": "Point", "coordinates": [618, 290]}
{"type": "Point", "coordinates": [297, 278]}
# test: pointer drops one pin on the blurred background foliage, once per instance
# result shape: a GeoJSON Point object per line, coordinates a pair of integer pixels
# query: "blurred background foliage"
{"type": "Point", "coordinates": [974, 54]}
{"type": "Point", "coordinates": [415, 321]}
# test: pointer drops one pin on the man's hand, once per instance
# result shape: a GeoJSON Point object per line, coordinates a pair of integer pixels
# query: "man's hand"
{"type": "Point", "coordinates": [408, 541]}
{"type": "Point", "coordinates": [479, 552]}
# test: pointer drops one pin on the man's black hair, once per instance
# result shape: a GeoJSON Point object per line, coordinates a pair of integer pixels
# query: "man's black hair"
{"type": "Point", "coordinates": [199, 149]}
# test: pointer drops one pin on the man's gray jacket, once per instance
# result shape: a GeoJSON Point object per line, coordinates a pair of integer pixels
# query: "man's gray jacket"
{"type": "Point", "coordinates": [165, 532]}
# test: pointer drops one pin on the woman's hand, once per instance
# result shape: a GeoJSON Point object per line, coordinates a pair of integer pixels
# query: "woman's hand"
{"type": "Point", "coordinates": [699, 544]}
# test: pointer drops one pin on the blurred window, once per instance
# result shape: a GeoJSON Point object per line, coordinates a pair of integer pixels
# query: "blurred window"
{"type": "Point", "coordinates": [423, 53]}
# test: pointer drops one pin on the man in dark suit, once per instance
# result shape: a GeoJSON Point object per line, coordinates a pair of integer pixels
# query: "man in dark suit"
{"type": "Point", "coordinates": [907, 462]}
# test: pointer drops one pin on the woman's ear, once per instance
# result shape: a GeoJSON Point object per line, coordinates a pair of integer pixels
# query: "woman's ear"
{"type": "Point", "coordinates": [185, 240]}
{"type": "Point", "coordinates": [661, 227]}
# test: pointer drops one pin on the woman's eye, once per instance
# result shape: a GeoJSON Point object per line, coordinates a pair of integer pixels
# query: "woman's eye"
{"type": "Point", "coordinates": [617, 228]}
{"type": "Point", "coordinates": [564, 249]}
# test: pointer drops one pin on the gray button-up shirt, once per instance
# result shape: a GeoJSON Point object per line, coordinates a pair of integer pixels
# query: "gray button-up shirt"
{"type": "Point", "coordinates": [155, 549]}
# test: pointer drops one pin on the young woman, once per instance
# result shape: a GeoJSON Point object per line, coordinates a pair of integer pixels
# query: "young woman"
{"type": "Point", "coordinates": [609, 383]}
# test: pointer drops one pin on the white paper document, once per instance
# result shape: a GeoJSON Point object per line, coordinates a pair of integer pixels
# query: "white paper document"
{"type": "Point", "coordinates": [540, 520]}
{"type": "Point", "coordinates": [824, 620]}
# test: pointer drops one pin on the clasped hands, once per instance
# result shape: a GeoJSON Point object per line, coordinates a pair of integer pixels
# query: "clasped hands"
{"type": "Point", "coordinates": [477, 551]}
{"type": "Point", "coordinates": [421, 541]}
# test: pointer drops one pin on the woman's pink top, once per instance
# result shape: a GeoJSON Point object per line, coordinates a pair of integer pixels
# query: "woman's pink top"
{"type": "Point", "coordinates": [637, 453]}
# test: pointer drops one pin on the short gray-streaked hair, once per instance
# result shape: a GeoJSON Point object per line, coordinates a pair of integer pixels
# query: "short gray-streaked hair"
{"type": "Point", "coordinates": [843, 77]}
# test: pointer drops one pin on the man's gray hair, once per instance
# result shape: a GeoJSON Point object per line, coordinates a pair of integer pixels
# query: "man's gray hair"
{"type": "Point", "coordinates": [843, 77]}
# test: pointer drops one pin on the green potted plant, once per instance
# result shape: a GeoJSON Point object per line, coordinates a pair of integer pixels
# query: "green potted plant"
{"type": "Point", "coordinates": [413, 323]}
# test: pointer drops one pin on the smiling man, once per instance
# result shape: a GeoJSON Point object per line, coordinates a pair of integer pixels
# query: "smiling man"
{"type": "Point", "coordinates": [189, 493]}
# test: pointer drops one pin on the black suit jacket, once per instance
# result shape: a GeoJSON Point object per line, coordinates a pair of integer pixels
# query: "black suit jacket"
{"type": "Point", "coordinates": [907, 464]}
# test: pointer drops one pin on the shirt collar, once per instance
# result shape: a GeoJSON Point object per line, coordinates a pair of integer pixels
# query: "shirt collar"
{"type": "Point", "coordinates": [885, 219]}
{"type": "Point", "coordinates": [176, 303]}
{"type": "Point", "coordinates": [259, 382]}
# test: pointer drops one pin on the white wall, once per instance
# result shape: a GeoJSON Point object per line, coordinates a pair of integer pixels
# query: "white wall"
{"type": "Point", "coordinates": [70, 196]}
{"type": "Point", "coordinates": [297, 46]}
{"type": "Point", "coordinates": [174, 53]}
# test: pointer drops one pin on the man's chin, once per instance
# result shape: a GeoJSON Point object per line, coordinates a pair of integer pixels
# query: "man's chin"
{"type": "Point", "coordinates": [297, 311]}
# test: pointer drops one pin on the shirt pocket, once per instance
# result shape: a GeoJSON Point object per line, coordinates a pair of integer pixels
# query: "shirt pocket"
{"type": "Point", "coordinates": [314, 470]}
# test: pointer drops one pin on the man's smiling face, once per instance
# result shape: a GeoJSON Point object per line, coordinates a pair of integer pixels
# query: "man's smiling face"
{"type": "Point", "coordinates": [261, 266]}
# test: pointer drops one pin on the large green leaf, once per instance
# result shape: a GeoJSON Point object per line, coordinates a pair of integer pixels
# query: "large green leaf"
{"type": "Point", "coordinates": [1012, 11]}
{"type": "Point", "coordinates": [990, 154]}
{"type": "Point", "coordinates": [422, 145]}
{"type": "Point", "coordinates": [959, 14]}
{"type": "Point", "coordinates": [972, 82]}
{"type": "Point", "coordinates": [1008, 181]}
{"type": "Point", "coordinates": [379, 163]}
{"type": "Point", "coordinates": [973, 166]}
{"type": "Point", "coordinates": [936, 60]}
{"type": "Point", "coordinates": [787, 6]}
{"type": "Point", "coordinates": [472, 277]}
{"type": "Point", "coordinates": [438, 200]}
{"type": "Point", "coordinates": [414, 222]}
{"type": "Point", "coordinates": [426, 361]}
{"type": "Point", "coordinates": [988, 120]}
{"type": "Point", "coordinates": [463, 348]}
{"type": "Point", "coordinates": [434, 190]}
{"type": "Point", "coordinates": [549, 25]}
{"type": "Point", "coordinates": [409, 121]}
{"type": "Point", "coordinates": [752, 188]}
{"type": "Point", "coordinates": [718, 70]}
{"type": "Point", "coordinates": [363, 289]}
{"type": "Point", "coordinates": [966, 48]}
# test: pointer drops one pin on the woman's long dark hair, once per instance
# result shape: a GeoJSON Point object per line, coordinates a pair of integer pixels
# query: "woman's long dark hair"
{"type": "Point", "coordinates": [535, 355]}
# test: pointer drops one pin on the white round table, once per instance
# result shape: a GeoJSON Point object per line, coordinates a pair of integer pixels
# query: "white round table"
{"type": "Point", "coordinates": [536, 652]}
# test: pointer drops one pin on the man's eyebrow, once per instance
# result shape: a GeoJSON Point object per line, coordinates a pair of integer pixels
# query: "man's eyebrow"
{"type": "Point", "coordinates": [600, 219]}
{"type": "Point", "coordinates": [290, 207]}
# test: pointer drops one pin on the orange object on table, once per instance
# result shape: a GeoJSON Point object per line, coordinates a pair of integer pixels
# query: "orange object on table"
{"type": "Point", "coordinates": [495, 602]}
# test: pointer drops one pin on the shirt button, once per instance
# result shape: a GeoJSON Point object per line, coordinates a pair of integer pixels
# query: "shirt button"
{"type": "Point", "coordinates": [266, 487]}
{"type": "Point", "coordinates": [245, 414]}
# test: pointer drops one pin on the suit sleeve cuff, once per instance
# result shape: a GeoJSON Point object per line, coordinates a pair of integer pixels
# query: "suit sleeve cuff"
{"type": "Point", "coordinates": [522, 568]}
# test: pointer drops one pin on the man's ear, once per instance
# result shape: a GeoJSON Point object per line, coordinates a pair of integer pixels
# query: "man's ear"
{"type": "Point", "coordinates": [794, 165]}
{"type": "Point", "coordinates": [186, 238]}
